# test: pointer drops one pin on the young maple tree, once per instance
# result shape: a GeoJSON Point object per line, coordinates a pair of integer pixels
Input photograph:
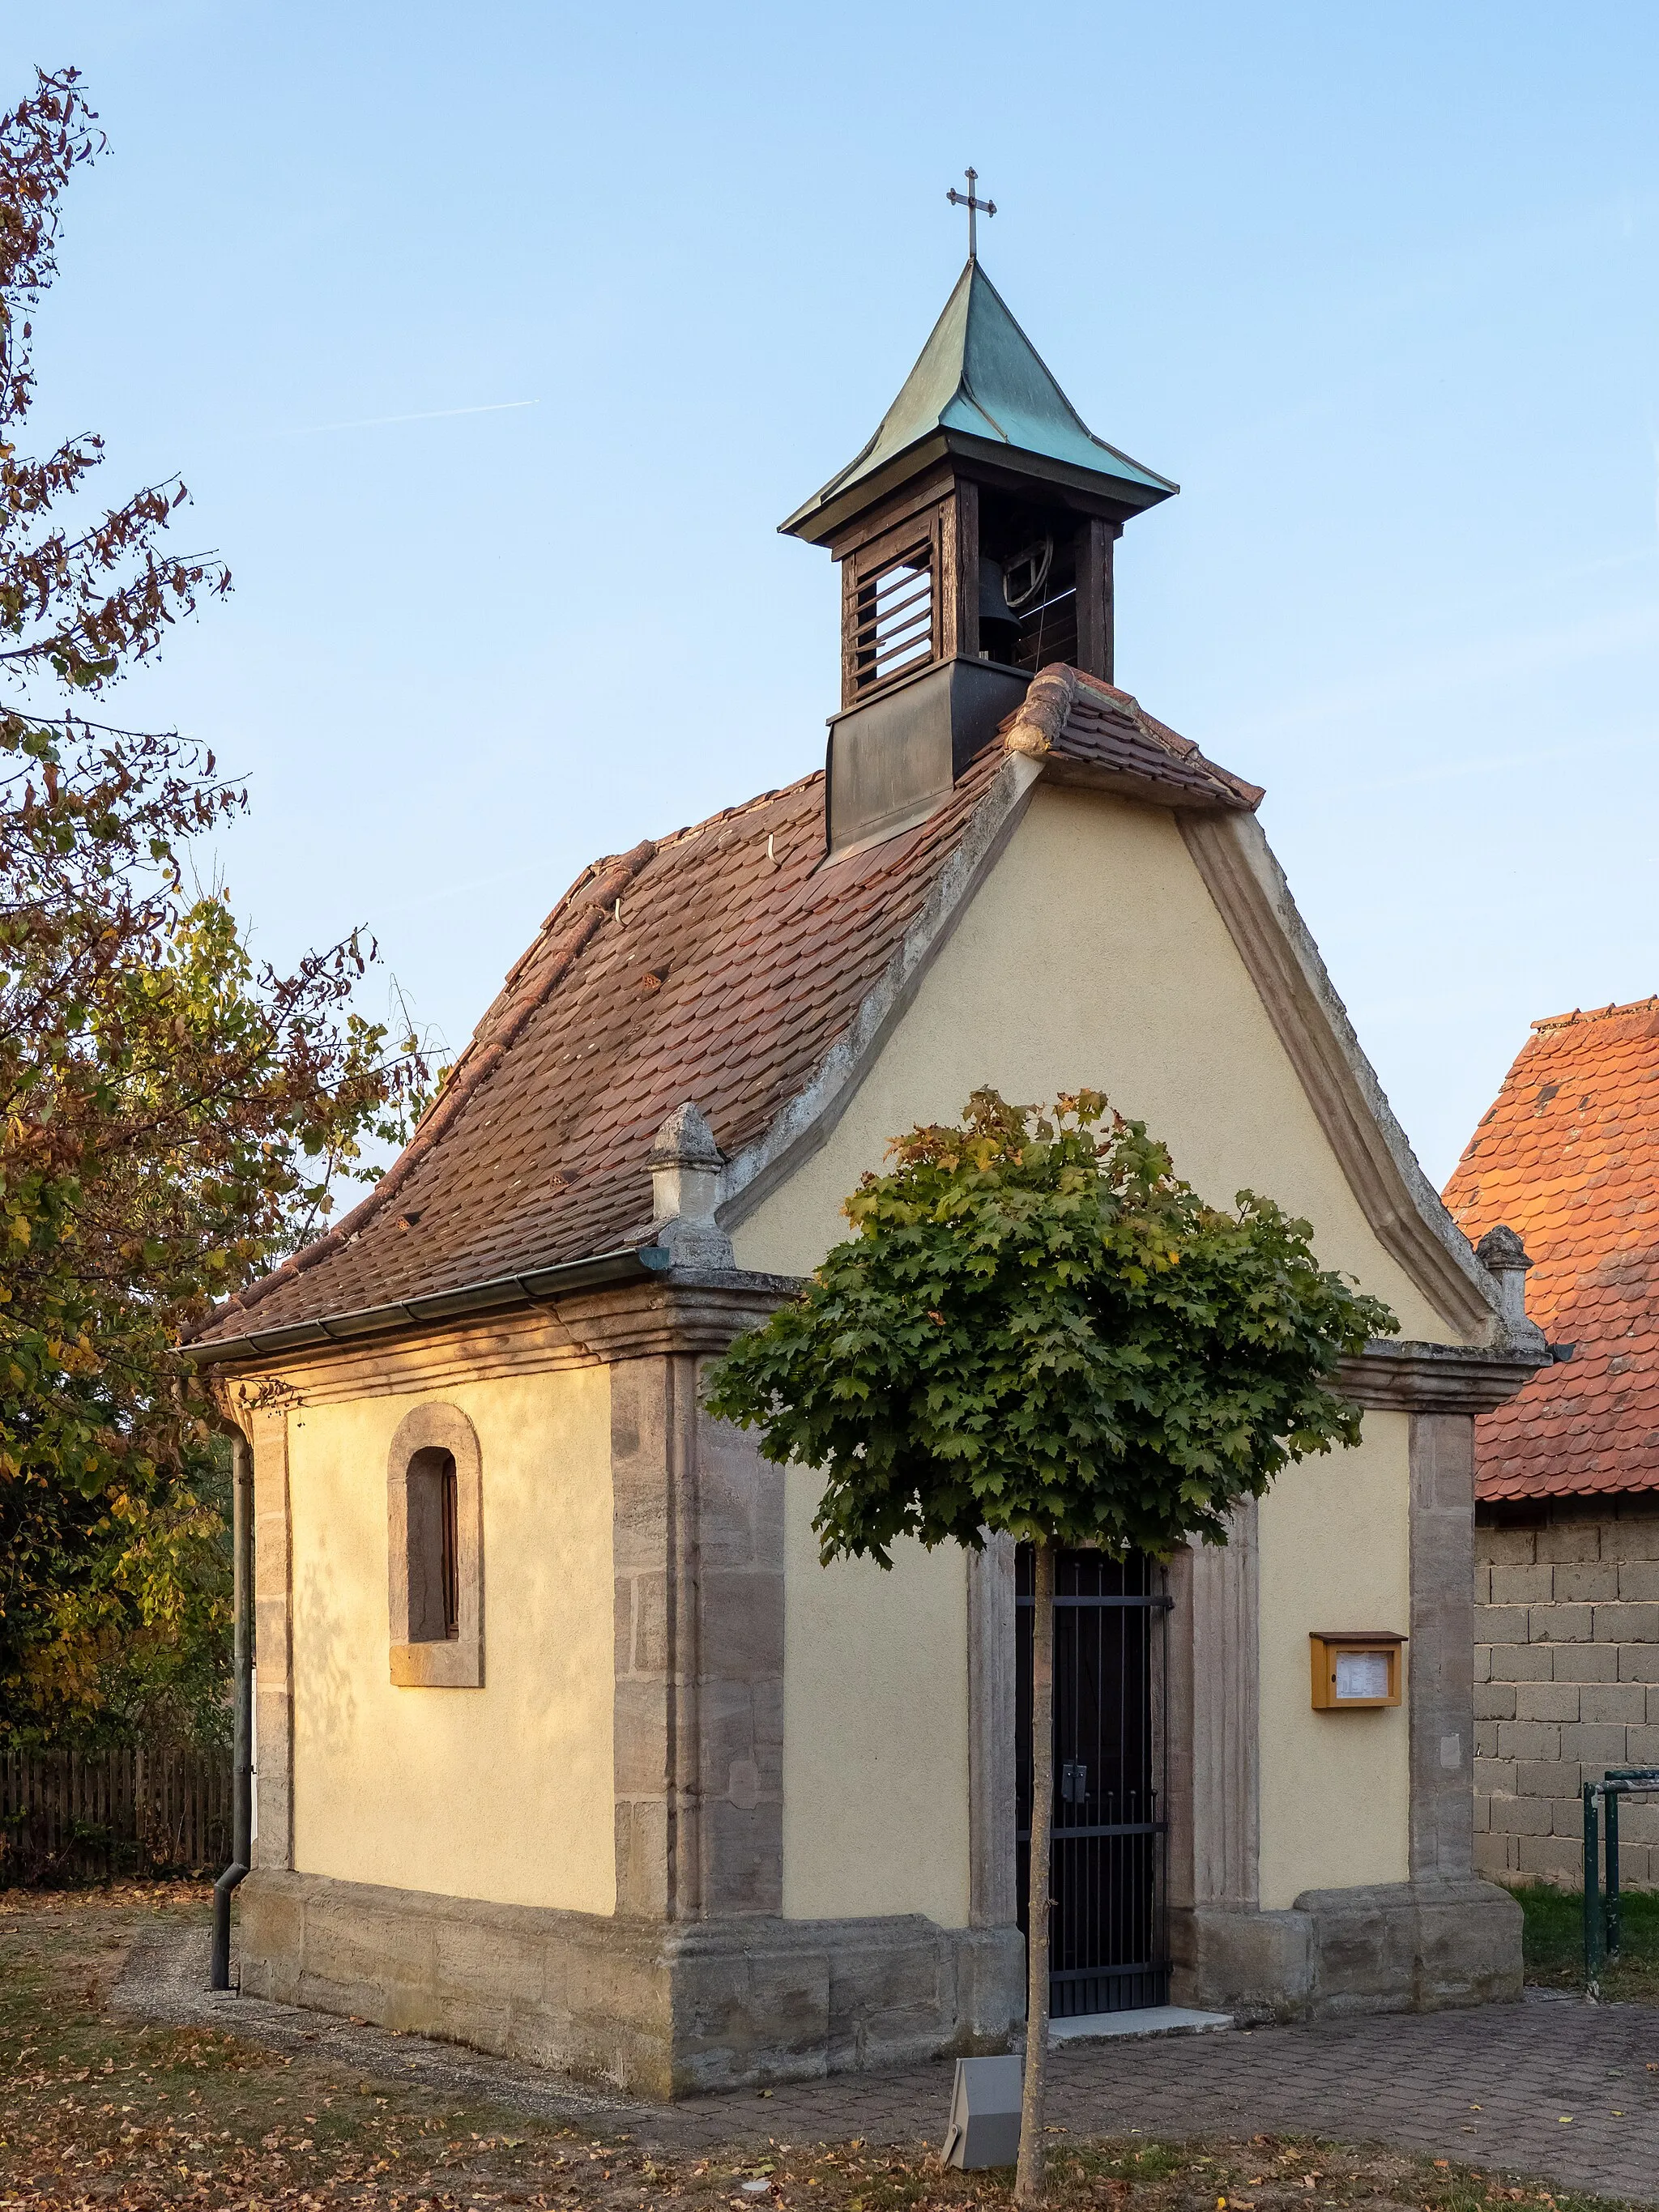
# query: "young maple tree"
{"type": "Point", "coordinates": [171, 1114]}
{"type": "Point", "coordinates": [1037, 1328]}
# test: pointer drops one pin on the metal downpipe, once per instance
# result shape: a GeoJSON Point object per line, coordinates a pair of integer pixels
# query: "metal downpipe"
{"type": "Point", "coordinates": [241, 1847]}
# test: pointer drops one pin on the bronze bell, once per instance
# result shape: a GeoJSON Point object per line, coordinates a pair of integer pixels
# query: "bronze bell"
{"type": "Point", "coordinates": [1025, 572]}
{"type": "Point", "coordinates": [999, 625]}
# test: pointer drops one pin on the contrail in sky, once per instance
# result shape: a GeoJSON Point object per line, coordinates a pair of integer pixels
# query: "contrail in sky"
{"type": "Point", "coordinates": [428, 415]}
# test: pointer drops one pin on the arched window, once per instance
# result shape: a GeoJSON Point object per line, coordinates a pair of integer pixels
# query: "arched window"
{"type": "Point", "coordinates": [434, 1527]}
{"type": "Point", "coordinates": [433, 1538]}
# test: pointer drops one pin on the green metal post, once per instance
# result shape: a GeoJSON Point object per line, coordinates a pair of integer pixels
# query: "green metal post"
{"type": "Point", "coordinates": [1593, 1931]}
{"type": "Point", "coordinates": [1610, 1910]}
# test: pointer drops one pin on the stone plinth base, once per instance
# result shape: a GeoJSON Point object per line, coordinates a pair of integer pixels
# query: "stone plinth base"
{"type": "Point", "coordinates": [1396, 1946]}
{"type": "Point", "coordinates": [656, 2010]}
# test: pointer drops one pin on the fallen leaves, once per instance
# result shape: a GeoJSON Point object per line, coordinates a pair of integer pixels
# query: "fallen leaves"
{"type": "Point", "coordinates": [109, 2117]}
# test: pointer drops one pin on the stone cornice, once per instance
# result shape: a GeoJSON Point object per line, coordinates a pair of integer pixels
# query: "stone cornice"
{"type": "Point", "coordinates": [503, 1294]}
{"type": "Point", "coordinates": [1254, 900]}
{"type": "Point", "coordinates": [647, 1315]}
{"type": "Point", "coordinates": [696, 1314]}
{"type": "Point", "coordinates": [678, 1313]}
{"type": "Point", "coordinates": [1434, 1378]}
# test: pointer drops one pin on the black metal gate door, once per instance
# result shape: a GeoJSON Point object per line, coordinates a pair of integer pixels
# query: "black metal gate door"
{"type": "Point", "coordinates": [1108, 1927]}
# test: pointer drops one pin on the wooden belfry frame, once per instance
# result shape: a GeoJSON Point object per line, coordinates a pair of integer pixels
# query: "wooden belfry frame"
{"type": "Point", "coordinates": [987, 504]}
{"type": "Point", "coordinates": [940, 512]}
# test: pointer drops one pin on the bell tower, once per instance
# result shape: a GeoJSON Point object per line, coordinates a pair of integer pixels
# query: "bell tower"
{"type": "Point", "coordinates": [974, 535]}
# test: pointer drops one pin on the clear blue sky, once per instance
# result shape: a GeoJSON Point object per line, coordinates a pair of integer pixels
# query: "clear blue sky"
{"type": "Point", "coordinates": [1380, 287]}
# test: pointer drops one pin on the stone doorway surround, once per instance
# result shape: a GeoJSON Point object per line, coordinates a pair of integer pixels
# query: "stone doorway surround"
{"type": "Point", "coordinates": [1445, 1936]}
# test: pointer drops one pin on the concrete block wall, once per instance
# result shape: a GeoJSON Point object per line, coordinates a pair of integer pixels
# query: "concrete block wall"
{"type": "Point", "coordinates": [1566, 1682]}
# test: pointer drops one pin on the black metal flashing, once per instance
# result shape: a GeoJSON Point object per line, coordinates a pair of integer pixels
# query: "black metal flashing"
{"type": "Point", "coordinates": [539, 1286]}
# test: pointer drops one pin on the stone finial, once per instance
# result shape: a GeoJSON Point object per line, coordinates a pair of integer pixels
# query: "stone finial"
{"type": "Point", "coordinates": [1503, 1255]}
{"type": "Point", "coordinates": [685, 1140]}
{"type": "Point", "coordinates": [685, 1165]}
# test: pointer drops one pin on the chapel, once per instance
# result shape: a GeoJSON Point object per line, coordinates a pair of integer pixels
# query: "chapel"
{"type": "Point", "coordinates": [567, 1745]}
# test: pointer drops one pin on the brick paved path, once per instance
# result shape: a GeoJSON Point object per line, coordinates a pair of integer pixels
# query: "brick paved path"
{"type": "Point", "coordinates": [1490, 2087]}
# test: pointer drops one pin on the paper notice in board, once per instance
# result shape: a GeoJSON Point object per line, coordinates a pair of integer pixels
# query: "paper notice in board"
{"type": "Point", "coordinates": [1362, 1673]}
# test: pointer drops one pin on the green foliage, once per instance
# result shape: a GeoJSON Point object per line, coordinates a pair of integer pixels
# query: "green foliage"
{"type": "Point", "coordinates": [1036, 1326]}
{"type": "Point", "coordinates": [126, 1599]}
{"type": "Point", "coordinates": [173, 1116]}
{"type": "Point", "coordinates": [1552, 1939]}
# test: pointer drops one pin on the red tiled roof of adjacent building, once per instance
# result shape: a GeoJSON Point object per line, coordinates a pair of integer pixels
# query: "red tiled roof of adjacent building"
{"type": "Point", "coordinates": [720, 964]}
{"type": "Point", "coordinates": [1569, 1156]}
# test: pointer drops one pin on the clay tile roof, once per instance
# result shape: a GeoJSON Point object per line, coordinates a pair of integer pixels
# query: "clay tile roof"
{"type": "Point", "coordinates": [1096, 731]}
{"type": "Point", "coordinates": [1569, 1156]}
{"type": "Point", "coordinates": [720, 964]}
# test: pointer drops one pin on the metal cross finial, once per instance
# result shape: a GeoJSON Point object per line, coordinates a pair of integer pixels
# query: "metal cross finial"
{"type": "Point", "coordinates": [976, 208]}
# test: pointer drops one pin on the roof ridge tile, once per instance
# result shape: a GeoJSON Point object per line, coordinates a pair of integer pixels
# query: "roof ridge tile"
{"type": "Point", "coordinates": [1611, 1012]}
{"type": "Point", "coordinates": [1045, 723]}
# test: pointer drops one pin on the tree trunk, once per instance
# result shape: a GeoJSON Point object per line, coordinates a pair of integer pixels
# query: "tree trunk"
{"type": "Point", "coordinates": [1028, 2180]}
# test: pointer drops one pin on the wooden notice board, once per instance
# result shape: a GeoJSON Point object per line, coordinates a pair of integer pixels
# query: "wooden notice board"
{"type": "Point", "coordinates": [1355, 1669]}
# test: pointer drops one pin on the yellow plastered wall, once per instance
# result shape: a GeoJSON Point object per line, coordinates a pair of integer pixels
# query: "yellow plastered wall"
{"type": "Point", "coordinates": [875, 1728]}
{"type": "Point", "coordinates": [1094, 956]}
{"type": "Point", "coordinates": [503, 1793]}
{"type": "Point", "coordinates": [1335, 1540]}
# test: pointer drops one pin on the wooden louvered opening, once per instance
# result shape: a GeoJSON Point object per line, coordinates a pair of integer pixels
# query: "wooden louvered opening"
{"type": "Point", "coordinates": [895, 623]}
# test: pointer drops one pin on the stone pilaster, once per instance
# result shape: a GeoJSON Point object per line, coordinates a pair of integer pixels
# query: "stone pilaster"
{"type": "Point", "coordinates": [1224, 1948]}
{"type": "Point", "coordinates": [267, 1430]}
{"type": "Point", "coordinates": [1440, 1671]}
{"type": "Point", "coordinates": [992, 1820]}
{"type": "Point", "coordinates": [697, 1539]}
{"type": "Point", "coordinates": [1223, 1766]}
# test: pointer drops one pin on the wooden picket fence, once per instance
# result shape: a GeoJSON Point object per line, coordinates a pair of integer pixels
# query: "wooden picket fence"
{"type": "Point", "coordinates": [69, 1816]}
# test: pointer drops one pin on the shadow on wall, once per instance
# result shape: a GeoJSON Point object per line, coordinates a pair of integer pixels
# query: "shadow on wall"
{"type": "Point", "coordinates": [332, 1662]}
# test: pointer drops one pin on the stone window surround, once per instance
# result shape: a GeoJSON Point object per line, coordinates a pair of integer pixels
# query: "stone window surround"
{"type": "Point", "coordinates": [449, 1662]}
